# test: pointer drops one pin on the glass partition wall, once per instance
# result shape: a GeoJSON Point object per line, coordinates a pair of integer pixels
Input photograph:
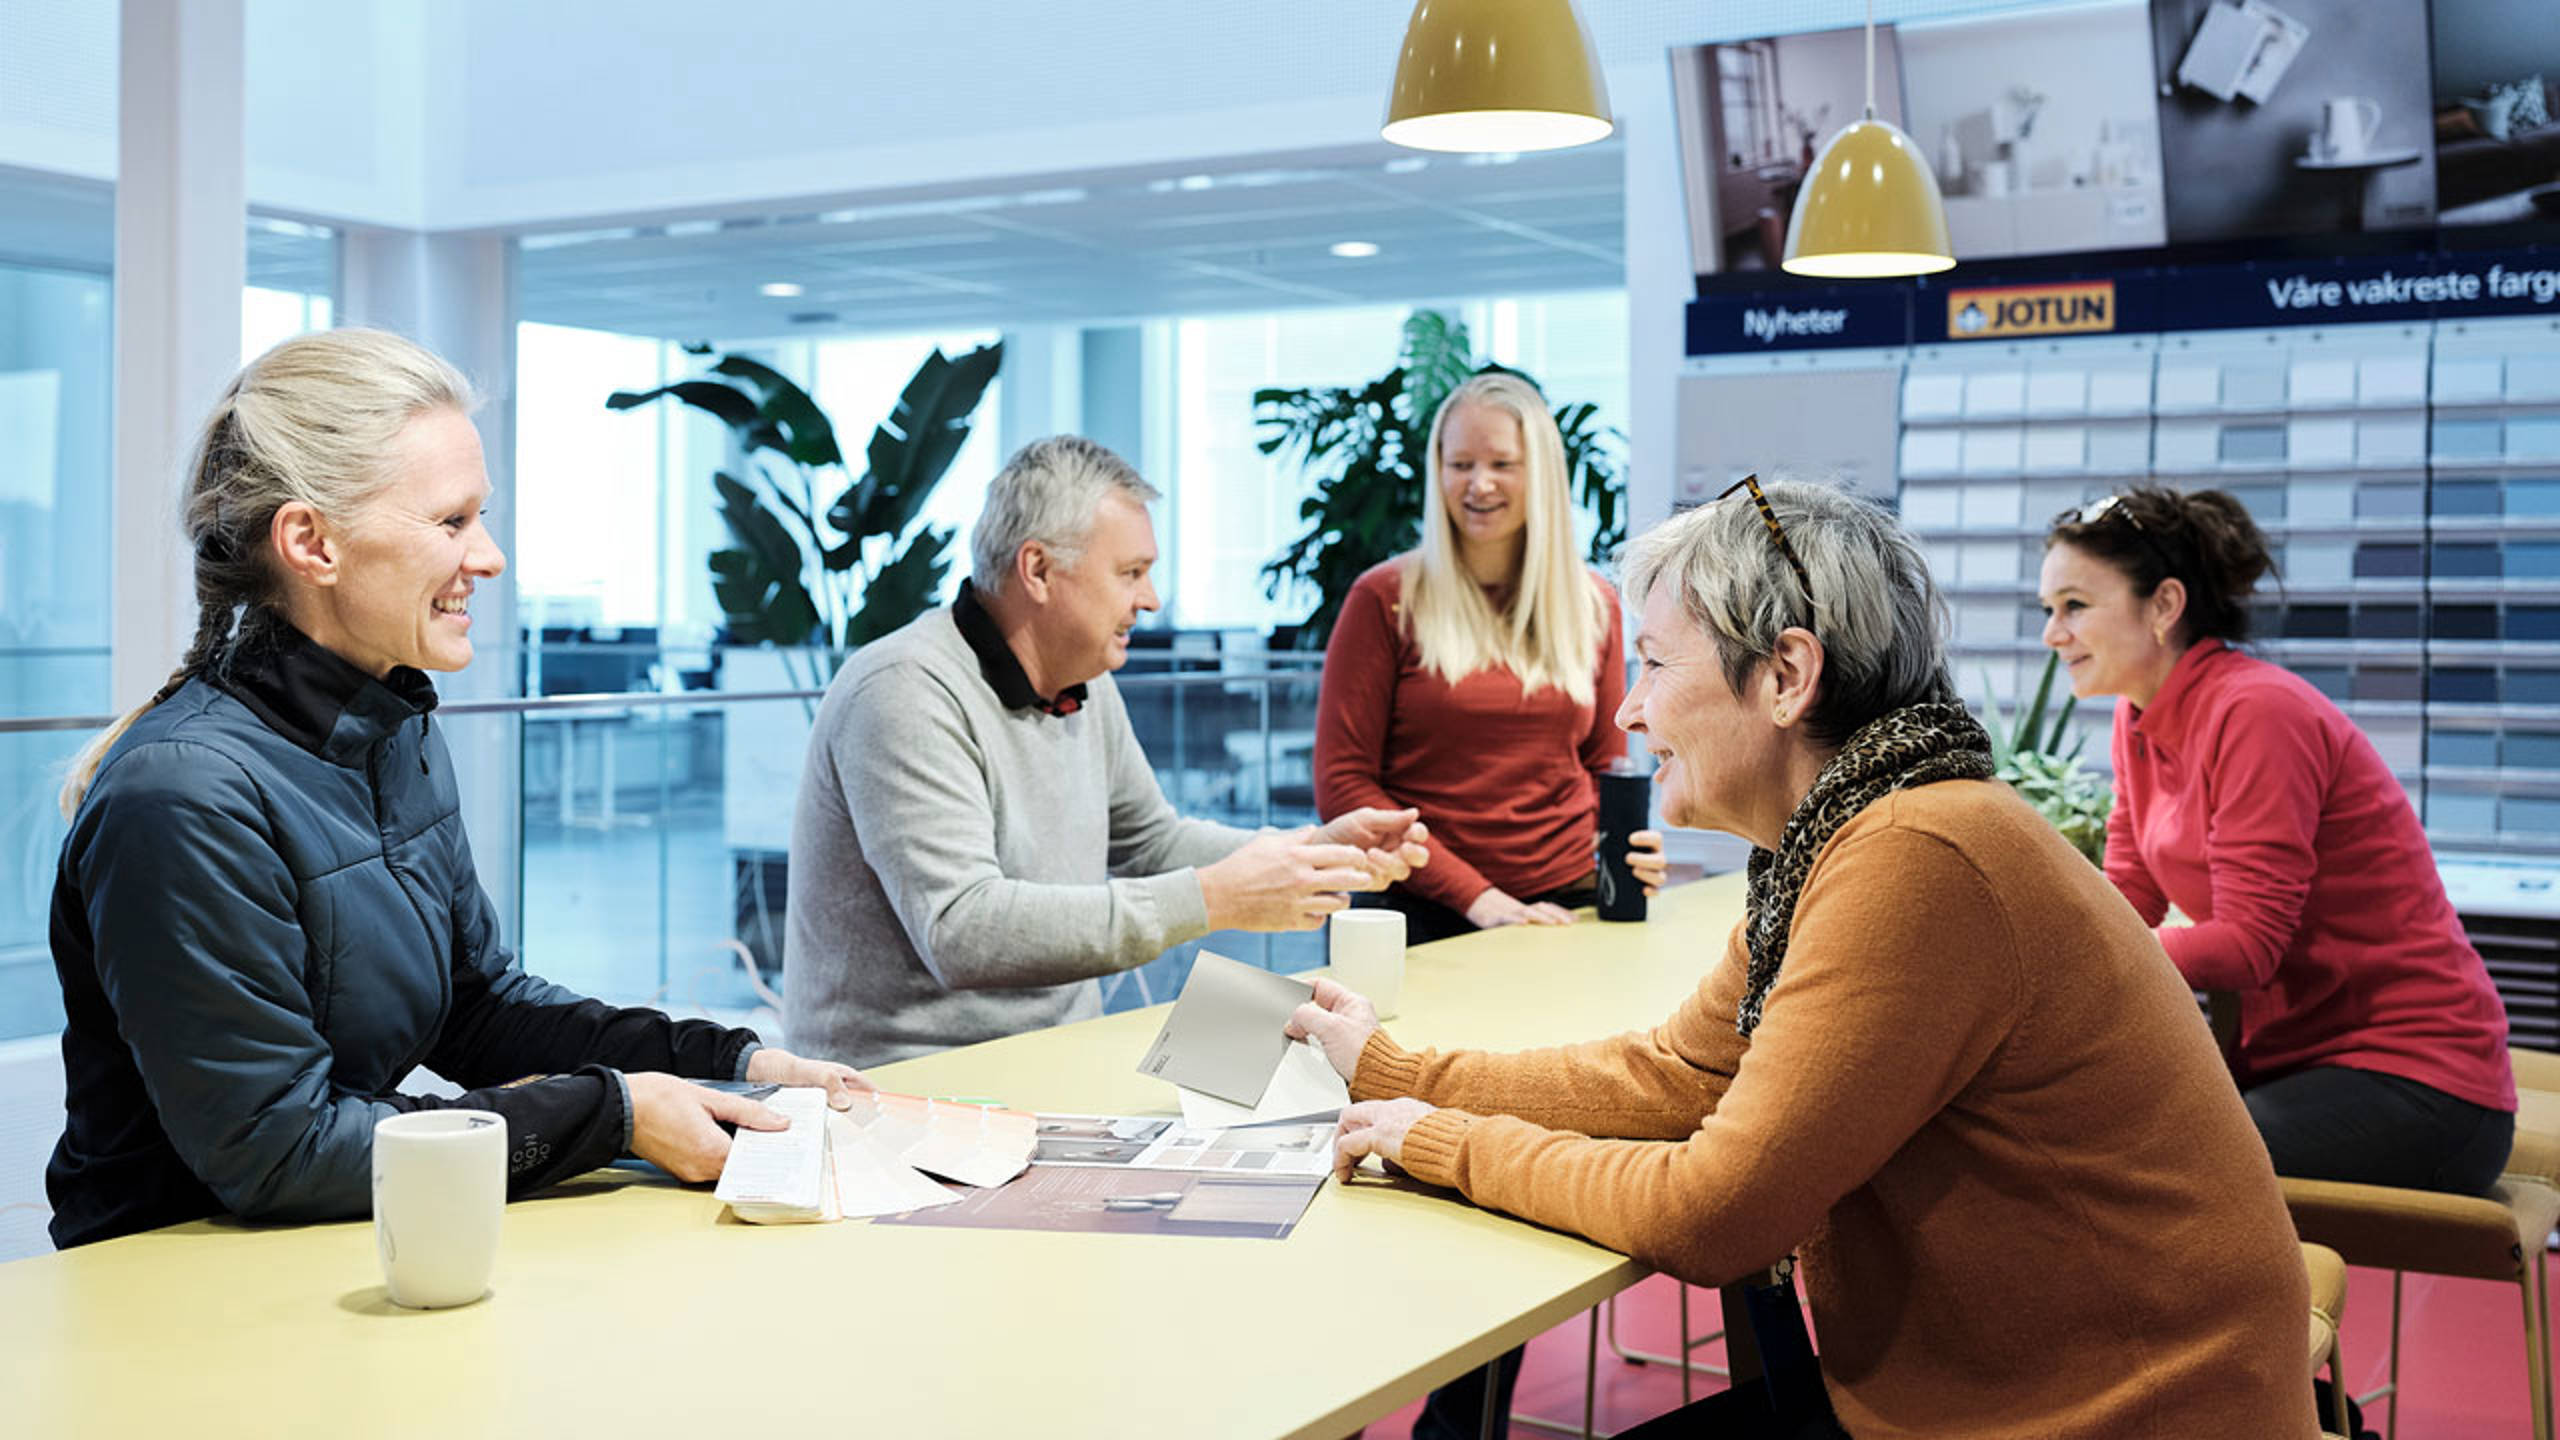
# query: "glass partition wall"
{"type": "Point", "coordinates": [57, 296]}
{"type": "Point", "coordinates": [656, 833]}
{"type": "Point", "coordinates": [656, 826]}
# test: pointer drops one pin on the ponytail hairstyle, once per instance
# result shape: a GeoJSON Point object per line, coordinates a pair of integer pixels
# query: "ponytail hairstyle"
{"type": "Point", "coordinates": [1550, 633]}
{"type": "Point", "coordinates": [309, 420]}
{"type": "Point", "coordinates": [2204, 539]}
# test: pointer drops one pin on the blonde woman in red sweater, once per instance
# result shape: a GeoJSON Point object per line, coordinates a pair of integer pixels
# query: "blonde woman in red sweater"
{"type": "Point", "coordinates": [1473, 678]}
{"type": "Point", "coordinates": [2372, 1047]}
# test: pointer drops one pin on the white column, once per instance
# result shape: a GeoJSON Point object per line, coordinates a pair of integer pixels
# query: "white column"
{"type": "Point", "coordinates": [181, 259]}
{"type": "Point", "coordinates": [1042, 384]}
{"type": "Point", "coordinates": [456, 295]}
{"type": "Point", "coordinates": [1659, 286]}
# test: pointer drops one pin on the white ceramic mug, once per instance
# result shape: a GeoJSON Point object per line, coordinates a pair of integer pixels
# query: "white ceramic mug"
{"type": "Point", "coordinates": [439, 1188]}
{"type": "Point", "coordinates": [1366, 950]}
{"type": "Point", "coordinates": [2347, 126]}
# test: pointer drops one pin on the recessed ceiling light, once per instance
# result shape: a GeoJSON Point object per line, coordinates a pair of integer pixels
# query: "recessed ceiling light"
{"type": "Point", "coordinates": [1355, 249]}
{"type": "Point", "coordinates": [778, 289]}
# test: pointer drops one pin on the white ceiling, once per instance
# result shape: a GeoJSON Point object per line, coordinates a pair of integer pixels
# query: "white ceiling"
{"type": "Point", "coordinates": [1099, 247]}
{"type": "Point", "coordinates": [1070, 249]}
{"type": "Point", "coordinates": [61, 222]}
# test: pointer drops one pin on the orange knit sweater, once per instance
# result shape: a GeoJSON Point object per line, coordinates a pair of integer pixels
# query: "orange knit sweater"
{"type": "Point", "coordinates": [1981, 1104]}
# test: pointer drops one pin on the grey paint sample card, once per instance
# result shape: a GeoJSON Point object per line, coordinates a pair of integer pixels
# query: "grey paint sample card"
{"type": "Point", "coordinates": [1223, 1037]}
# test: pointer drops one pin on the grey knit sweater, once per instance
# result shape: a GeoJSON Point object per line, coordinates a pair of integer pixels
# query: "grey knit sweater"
{"type": "Point", "coordinates": [953, 862]}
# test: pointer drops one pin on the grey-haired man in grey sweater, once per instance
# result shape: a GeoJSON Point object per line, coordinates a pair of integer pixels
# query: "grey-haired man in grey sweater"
{"type": "Point", "coordinates": [978, 835]}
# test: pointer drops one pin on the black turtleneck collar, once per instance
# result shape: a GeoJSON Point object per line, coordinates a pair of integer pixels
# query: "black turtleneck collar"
{"type": "Point", "coordinates": [316, 698]}
{"type": "Point", "coordinates": [997, 662]}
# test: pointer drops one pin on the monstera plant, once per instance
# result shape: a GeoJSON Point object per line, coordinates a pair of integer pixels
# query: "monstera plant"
{"type": "Point", "coordinates": [1366, 444]}
{"type": "Point", "coordinates": [2039, 755]}
{"type": "Point", "coordinates": [822, 576]}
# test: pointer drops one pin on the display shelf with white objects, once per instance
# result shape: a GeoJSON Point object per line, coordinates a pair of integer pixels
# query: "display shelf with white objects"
{"type": "Point", "coordinates": [2406, 474]}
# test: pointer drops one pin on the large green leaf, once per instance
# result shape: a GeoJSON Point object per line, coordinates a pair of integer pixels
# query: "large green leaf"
{"type": "Point", "coordinates": [909, 452]}
{"type": "Point", "coordinates": [1591, 471]}
{"type": "Point", "coordinates": [759, 581]}
{"type": "Point", "coordinates": [935, 435]}
{"type": "Point", "coordinates": [727, 404]}
{"type": "Point", "coordinates": [783, 579]}
{"type": "Point", "coordinates": [903, 588]}
{"type": "Point", "coordinates": [1438, 358]}
{"type": "Point", "coordinates": [802, 429]}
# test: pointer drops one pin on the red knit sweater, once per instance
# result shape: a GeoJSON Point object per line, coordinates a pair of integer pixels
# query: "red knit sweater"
{"type": "Point", "coordinates": [2246, 798]}
{"type": "Point", "coordinates": [1502, 777]}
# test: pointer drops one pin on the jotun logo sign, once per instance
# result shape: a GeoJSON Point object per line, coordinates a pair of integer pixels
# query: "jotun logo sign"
{"type": "Point", "coordinates": [2003, 312]}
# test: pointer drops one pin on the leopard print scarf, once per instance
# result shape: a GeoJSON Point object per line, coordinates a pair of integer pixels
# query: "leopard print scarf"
{"type": "Point", "coordinates": [1915, 745]}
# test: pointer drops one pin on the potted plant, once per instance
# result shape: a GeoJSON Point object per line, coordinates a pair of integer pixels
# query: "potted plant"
{"type": "Point", "coordinates": [1366, 445]}
{"type": "Point", "coordinates": [820, 582]}
{"type": "Point", "coordinates": [2040, 758]}
{"type": "Point", "coordinates": [812, 582]}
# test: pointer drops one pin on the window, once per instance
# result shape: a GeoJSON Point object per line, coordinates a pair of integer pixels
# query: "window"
{"type": "Point", "coordinates": [1748, 77]}
{"type": "Point", "coordinates": [1234, 509]}
{"type": "Point", "coordinates": [55, 528]}
{"type": "Point", "coordinates": [597, 492]}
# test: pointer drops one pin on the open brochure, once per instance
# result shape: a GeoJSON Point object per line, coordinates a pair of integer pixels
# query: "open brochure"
{"type": "Point", "coordinates": [871, 1159]}
{"type": "Point", "coordinates": [1156, 1142]}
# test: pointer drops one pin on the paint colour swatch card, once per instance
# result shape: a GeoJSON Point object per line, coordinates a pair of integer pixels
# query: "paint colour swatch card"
{"type": "Point", "coordinates": [1224, 1035]}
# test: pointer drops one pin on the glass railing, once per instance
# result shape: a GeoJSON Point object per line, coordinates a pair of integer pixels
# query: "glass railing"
{"type": "Point", "coordinates": [37, 682]}
{"type": "Point", "coordinates": [638, 843]}
{"type": "Point", "coordinates": [655, 836]}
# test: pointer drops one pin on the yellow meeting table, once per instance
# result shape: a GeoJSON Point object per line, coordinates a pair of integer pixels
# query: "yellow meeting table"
{"type": "Point", "coordinates": [626, 1305]}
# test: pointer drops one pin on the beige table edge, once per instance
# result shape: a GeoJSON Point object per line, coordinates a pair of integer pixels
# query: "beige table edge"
{"type": "Point", "coordinates": [636, 1304]}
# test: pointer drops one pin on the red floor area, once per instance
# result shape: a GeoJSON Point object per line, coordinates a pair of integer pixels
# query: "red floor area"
{"type": "Point", "coordinates": [2461, 1360]}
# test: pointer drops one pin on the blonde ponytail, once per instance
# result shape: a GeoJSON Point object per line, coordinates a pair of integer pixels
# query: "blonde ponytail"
{"type": "Point", "coordinates": [310, 421]}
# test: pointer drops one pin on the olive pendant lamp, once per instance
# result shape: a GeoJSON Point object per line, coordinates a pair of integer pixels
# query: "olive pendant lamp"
{"type": "Point", "coordinates": [1870, 205]}
{"type": "Point", "coordinates": [1496, 75]}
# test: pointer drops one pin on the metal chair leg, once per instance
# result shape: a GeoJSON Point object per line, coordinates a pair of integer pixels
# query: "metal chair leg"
{"type": "Point", "coordinates": [2390, 1390]}
{"type": "Point", "coordinates": [1647, 1357]}
{"type": "Point", "coordinates": [2537, 1342]}
{"type": "Point", "coordinates": [1590, 1386]}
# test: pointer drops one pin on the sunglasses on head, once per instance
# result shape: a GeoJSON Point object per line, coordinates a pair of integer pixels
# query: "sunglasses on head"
{"type": "Point", "coordinates": [1777, 533]}
{"type": "Point", "coordinates": [2108, 507]}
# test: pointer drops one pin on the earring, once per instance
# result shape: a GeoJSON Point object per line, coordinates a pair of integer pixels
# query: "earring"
{"type": "Point", "coordinates": [1781, 715]}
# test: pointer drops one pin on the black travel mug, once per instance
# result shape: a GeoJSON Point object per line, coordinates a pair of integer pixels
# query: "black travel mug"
{"type": "Point", "coordinates": [1626, 803]}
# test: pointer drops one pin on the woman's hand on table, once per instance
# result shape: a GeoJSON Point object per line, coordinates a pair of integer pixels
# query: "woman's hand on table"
{"type": "Point", "coordinates": [770, 1066]}
{"type": "Point", "coordinates": [1645, 857]}
{"type": "Point", "coordinates": [1495, 908]}
{"type": "Point", "coordinates": [675, 1124]}
{"type": "Point", "coordinates": [1374, 1127]}
{"type": "Point", "coordinates": [1340, 1021]}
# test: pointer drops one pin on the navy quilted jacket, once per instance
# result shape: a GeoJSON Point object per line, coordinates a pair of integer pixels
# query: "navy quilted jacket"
{"type": "Point", "coordinates": [265, 917]}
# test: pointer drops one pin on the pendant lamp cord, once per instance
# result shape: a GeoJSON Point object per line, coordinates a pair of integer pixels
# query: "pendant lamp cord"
{"type": "Point", "coordinates": [1871, 59]}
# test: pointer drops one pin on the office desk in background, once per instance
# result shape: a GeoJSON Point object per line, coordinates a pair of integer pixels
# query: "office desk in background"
{"type": "Point", "coordinates": [629, 1306]}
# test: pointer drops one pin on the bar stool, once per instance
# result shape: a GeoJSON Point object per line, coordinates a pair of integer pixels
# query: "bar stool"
{"type": "Point", "coordinates": [2499, 1236]}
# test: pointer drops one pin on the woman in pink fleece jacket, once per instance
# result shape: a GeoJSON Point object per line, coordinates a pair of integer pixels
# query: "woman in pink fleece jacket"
{"type": "Point", "coordinates": [2371, 1046]}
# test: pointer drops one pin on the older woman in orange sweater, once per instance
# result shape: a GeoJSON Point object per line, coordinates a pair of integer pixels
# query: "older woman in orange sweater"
{"type": "Point", "coordinates": [1940, 1057]}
